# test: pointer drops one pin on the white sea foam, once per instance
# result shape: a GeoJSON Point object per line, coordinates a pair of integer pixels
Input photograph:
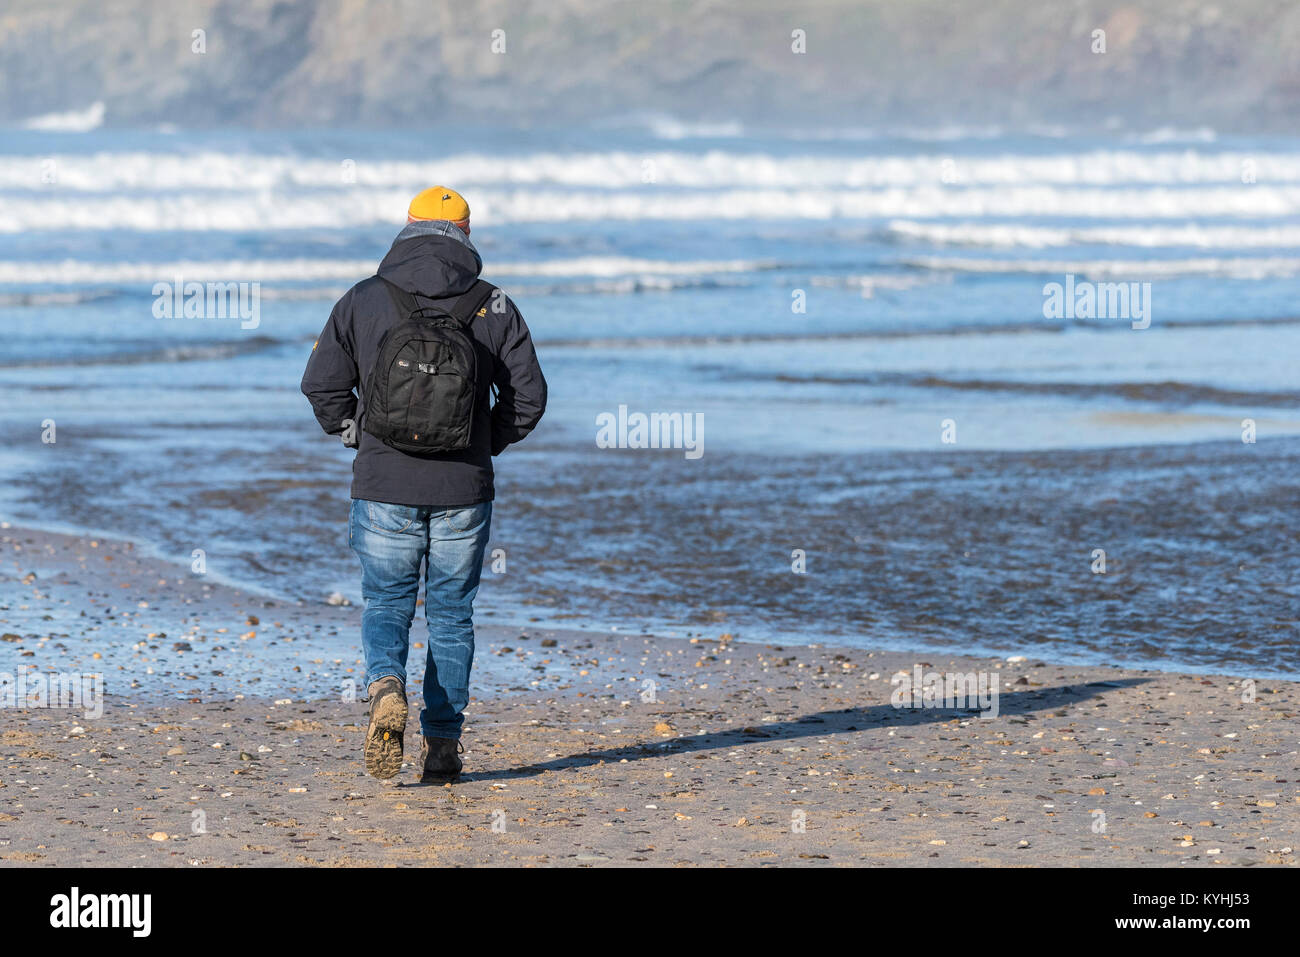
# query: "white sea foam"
{"type": "Point", "coordinates": [1040, 237]}
{"type": "Point", "coordinates": [109, 172]}
{"type": "Point", "coordinates": [667, 127]}
{"type": "Point", "coordinates": [366, 207]}
{"type": "Point", "coordinates": [1228, 267]}
{"type": "Point", "coordinates": [77, 272]}
{"type": "Point", "coordinates": [606, 266]}
{"type": "Point", "coordinates": [71, 121]}
{"type": "Point", "coordinates": [1172, 134]}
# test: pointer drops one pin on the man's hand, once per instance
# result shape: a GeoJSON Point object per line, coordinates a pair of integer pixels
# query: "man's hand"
{"type": "Point", "coordinates": [349, 434]}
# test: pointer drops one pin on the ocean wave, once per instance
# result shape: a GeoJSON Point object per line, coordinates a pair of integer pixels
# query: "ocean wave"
{"type": "Point", "coordinates": [231, 349]}
{"type": "Point", "coordinates": [1172, 134]}
{"type": "Point", "coordinates": [316, 280]}
{"type": "Point", "coordinates": [666, 127]}
{"type": "Point", "coordinates": [1189, 235]}
{"type": "Point", "coordinates": [198, 352]}
{"type": "Point", "coordinates": [1034, 327]}
{"type": "Point", "coordinates": [366, 207]}
{"type": "Point", "coordinates": [614, 286]}
{"type": "Point", "coordinates": [624, 286]}
{"type": "Point", "coordinates": [1143, 270]}
{"type": "Point", "coordinates": [628, 266]}
{"type": "Point", "coordinates": [1167, 391]}
{"type": "Point", "coordinates": [952, 133]}
{"type": "Point", "coordinates": [869, 285]}
{"type": "Point", "coordinates": [847, 335]}
{"type": "Point", "coordinates": [210, 171]}
{"type": "Point", "coordinates": [80, 272]}
{"type": "Point", "coordinates": [52, 298]}
{"type": "Point", "coordinates": [70, 121]}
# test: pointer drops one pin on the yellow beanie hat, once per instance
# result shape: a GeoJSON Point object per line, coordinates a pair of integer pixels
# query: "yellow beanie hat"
{"type": "Point", "coordinates": [438, 202]}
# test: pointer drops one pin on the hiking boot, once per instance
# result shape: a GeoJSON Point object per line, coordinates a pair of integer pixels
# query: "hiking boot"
{"type": "Point", "coordinates": [439, 760]}
{"type": "Point", "coordinates": [387, 726]}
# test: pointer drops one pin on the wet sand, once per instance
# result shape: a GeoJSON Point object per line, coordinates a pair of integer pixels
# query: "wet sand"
{"type": "Point", "coordinates": [228, 738]}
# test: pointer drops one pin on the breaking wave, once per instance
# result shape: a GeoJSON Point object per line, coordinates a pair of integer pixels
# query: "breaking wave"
{"type": "Point", "coordinates": [210, 171]}
{"type": "Point", "coordinates": [372, 207]}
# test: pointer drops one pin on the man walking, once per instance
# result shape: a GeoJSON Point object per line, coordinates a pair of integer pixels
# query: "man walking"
{"type": "Point", "coordinates": [402, 372]}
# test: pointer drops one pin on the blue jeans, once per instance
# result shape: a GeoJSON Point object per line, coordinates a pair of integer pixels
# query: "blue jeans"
{"type": "Point", "coordinates": [392, 541]}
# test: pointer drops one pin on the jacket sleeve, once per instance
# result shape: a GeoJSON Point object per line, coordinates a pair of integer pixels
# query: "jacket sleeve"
{"type": "Point", "coordinates": [521, 387]}
{"type": "Point", "coordinates": [331, 376]}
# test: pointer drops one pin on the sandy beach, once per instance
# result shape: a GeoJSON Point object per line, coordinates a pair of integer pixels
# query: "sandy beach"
{"type": "Point", "coordinates": [228, 738]}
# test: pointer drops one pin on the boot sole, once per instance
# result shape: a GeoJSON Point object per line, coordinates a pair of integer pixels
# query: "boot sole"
{"type": "Point", "coordinates": [383, 751]}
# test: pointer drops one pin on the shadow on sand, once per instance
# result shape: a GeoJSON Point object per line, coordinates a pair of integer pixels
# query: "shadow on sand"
{"type": "Point", "coordinates": [819, 725]}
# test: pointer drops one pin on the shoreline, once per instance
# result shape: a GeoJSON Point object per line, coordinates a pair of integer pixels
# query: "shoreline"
{"type": "Point", "coordinates": [591, 748]}
{"type": "Point", "coordinates": [485, 616]}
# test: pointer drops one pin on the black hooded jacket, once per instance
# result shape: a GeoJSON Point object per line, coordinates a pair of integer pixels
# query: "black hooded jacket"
{"type": "Point", "coordinates": [433, 260]}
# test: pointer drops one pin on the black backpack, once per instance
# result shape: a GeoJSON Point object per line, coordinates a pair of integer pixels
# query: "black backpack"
{"type": "Point", "coordinates": [421, 393]}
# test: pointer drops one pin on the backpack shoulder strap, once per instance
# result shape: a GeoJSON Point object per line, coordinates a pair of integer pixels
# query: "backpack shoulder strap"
{"type": "Point", "coordinates": [403, 300]}
{"type": "Point", "coordinates": [463, 308]}
{"type": "Point", "coordinates": [466, 307]}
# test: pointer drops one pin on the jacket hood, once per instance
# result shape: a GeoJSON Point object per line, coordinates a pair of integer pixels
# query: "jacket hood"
{"type": "Point", "coordinates": [432, 258]}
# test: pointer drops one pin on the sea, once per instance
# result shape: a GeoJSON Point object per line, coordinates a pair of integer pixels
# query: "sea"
{"type": "Point", "coordinates": [956, 390]}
